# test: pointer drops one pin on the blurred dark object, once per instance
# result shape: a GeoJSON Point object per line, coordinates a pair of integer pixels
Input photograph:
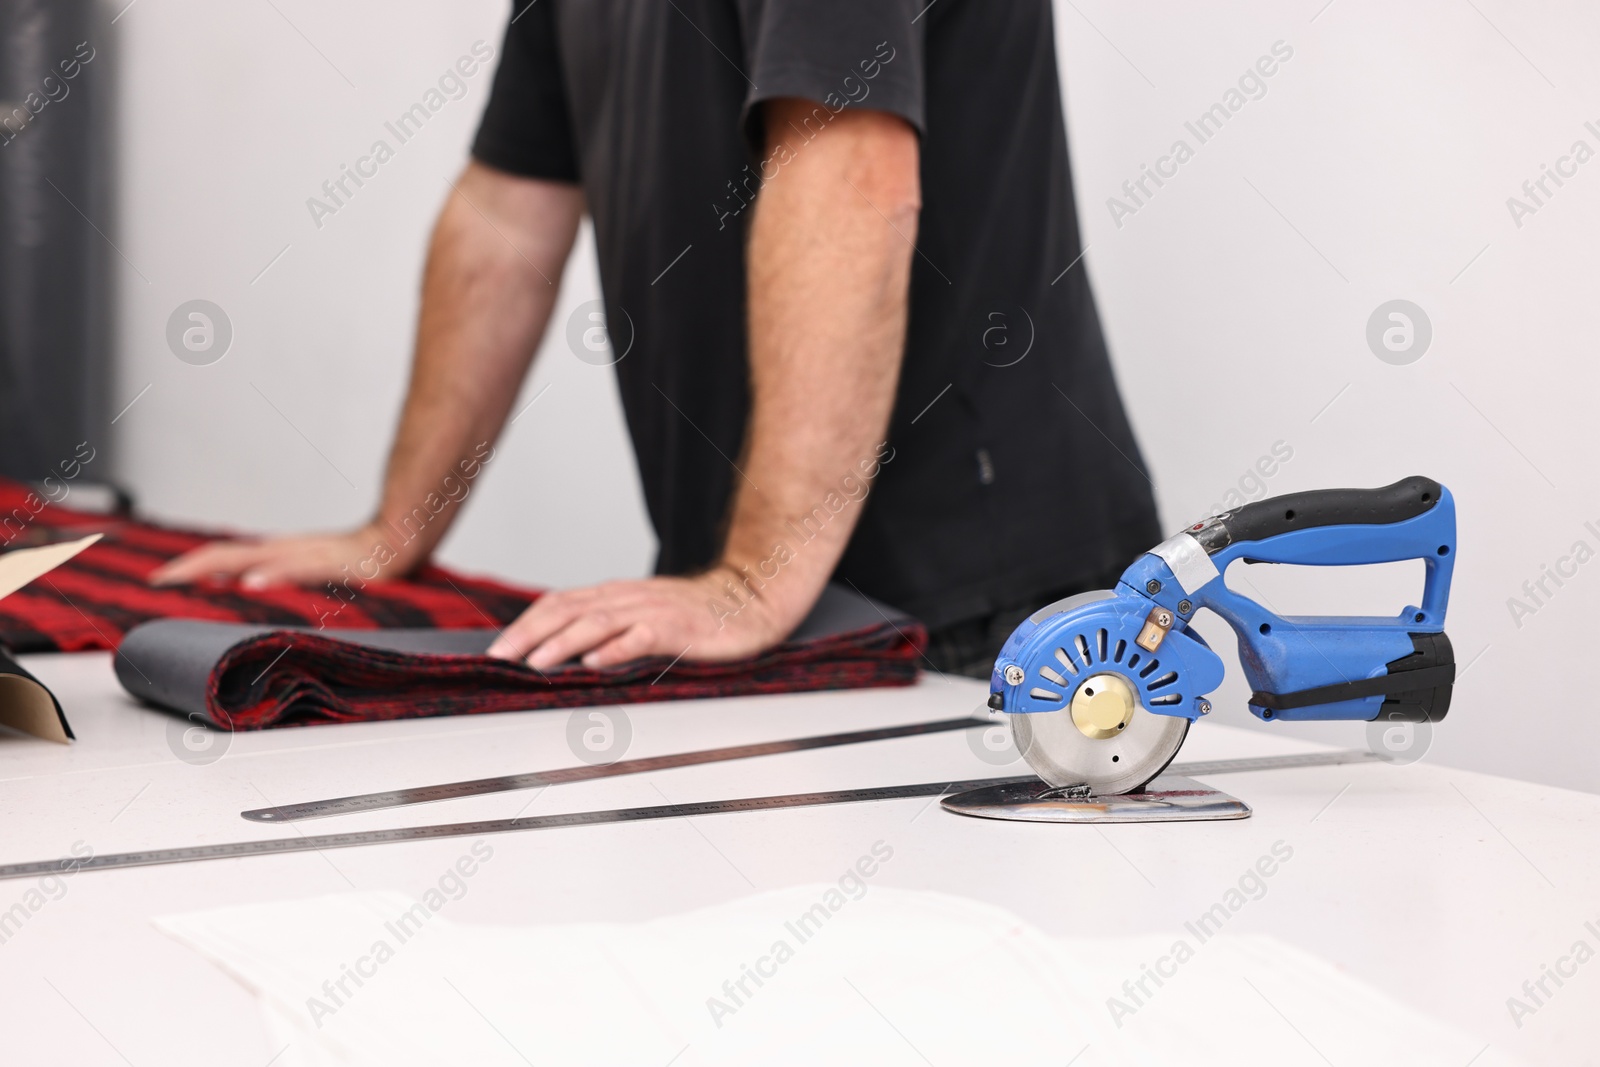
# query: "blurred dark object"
{"type": "Point", "coordinates": [53, 196]}
{"type": "Point", "coordinates": [91, 497]}
{"type": "Point", "coordinates": [87, 499]}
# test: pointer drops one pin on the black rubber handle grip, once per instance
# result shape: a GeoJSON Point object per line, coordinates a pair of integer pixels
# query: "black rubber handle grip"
{"type": "Point", "coordinates": [1405, 499]}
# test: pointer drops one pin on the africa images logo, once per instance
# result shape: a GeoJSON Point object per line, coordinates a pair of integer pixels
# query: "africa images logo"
{"type": "Point", "coordinates": [592, 337]}
{"type": "Point", "coordinates": [199, 332]}
{"type": "Point", "coordinates": [1399, 332]}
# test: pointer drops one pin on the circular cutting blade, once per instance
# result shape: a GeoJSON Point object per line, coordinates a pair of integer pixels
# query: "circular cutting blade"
{"type": "Point", "coordinates": [1059, 751]}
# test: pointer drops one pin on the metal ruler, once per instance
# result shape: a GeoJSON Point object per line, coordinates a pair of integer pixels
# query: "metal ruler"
{"type": "Point", "coordinates": [394, 798]}
{"type": "Point", "coordinates": [321, 842]}
{"type": "Point", "coordinates": [1271, 763]}
{"type": "Point", "coordinates": [274, 846]}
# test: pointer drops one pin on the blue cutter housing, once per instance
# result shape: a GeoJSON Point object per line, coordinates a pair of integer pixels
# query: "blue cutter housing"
{"type": "Point", "coordinates": [1299, 667]}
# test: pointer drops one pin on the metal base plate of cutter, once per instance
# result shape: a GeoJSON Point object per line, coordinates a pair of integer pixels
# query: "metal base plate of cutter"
{"type": "Point", "coordinates": [1169, 798]}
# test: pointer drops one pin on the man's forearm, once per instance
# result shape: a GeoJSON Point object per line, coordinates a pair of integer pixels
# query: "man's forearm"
{"type": "Point", "coordinates": [829, 266]}
{"type": "Point", "coordinates": [829, 274]}
{"type": "Point", "coordinates": [494, 265]}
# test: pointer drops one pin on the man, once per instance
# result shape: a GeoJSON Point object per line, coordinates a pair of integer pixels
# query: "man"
{"type": "Point", "coordinates": [839, 239]}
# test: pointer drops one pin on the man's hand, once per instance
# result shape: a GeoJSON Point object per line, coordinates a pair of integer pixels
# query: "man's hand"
{"type": "Point", "coordinates": [290, 560]}
{"type": "Point", "coordinates": [829, 278]}
{"type": "Point", "coordinates": [620, 621]}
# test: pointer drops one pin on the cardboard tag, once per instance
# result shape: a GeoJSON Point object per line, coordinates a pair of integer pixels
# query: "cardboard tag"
{"type": "Point", "coordinates": [25, 704]}
{"type": "Point", "coordinates": [22, 566]}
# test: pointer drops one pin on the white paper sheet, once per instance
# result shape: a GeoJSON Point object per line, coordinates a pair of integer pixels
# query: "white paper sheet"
{"type": "Point", "coordinates": [894, 977]}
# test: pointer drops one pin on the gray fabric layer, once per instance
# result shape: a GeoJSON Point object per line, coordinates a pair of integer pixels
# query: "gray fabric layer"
{"type": "Point", "coordinates": [169, 661]}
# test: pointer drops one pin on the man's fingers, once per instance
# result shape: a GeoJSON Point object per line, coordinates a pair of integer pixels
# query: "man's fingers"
{"type": "Point", "coordinates": [554, 611]}
{"type": "Point", "coordinates": [636, 641]}
{"type": "Point", "coordinates": [588, 630]}
{"type": "Point", "coordinates": [284, 570]}
{"type": "Point", "coordinates": [203, 562]}
{"type": "Point", "coordinates": [544, 617]}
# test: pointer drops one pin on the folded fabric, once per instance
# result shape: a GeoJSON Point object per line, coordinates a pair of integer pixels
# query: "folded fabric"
{"type": "Point", "coordinates": [89, 602]}
{"type": "Point", "coordinates": [842, 973]}
{"type": "Point", "coordinates": [240, 677]}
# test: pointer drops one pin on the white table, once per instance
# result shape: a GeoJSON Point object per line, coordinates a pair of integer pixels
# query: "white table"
{"type": "Point", "coordinates": [1444, 888]}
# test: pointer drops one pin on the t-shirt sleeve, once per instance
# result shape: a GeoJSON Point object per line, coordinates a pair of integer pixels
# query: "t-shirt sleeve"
{"type": "Point", "coordinates": [527, 125]}
{"type": "Point", "coordinates": [841, 53]}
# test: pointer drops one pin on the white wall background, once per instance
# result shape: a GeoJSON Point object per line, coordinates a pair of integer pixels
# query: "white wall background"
{"type": "Point", "coordinates": [1377, 166]}
{"type": "Point", "coordinates": [233, 114]}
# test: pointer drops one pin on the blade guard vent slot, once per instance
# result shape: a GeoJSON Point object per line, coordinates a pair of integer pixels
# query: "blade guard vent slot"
{"type": "Point", "coordinates": [1098, 649]}
{"type": "Point", "coordinates": [1162, 682]}
{"type": "Point", "coordinates": [1066, 661]}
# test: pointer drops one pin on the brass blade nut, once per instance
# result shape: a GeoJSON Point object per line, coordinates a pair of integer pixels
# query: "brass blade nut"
{"type": "Point", "coordinates": [1155, 628]}
{"type": "Point", "coordinates": [1103, 706]}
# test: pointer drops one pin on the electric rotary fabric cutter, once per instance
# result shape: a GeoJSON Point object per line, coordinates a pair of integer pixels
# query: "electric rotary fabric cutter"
{"type": "Point", "coordinates": [1101, 687]}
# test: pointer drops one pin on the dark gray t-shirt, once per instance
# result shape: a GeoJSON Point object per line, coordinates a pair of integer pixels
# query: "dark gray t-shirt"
{"type": "Point", "coordinates": [1011, 469]}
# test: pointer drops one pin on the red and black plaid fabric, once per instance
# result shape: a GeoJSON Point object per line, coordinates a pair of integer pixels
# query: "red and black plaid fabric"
{"type": "Point", "coordinates": [283, 679]}
{"type": "Point", "coordinates": [89, 602]}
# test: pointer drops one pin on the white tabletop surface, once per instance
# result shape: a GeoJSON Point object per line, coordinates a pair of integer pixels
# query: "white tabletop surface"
{"type": "Point", "coordinates": [1446, 889]}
